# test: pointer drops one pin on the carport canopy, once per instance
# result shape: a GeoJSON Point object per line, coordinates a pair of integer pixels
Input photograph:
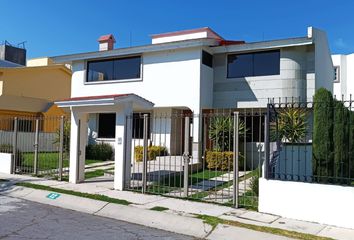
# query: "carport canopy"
{"type": "Point", "coordinates": [122, 105]}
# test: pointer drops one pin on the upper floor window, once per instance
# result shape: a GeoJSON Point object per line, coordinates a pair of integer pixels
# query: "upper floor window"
{"type": "Point", "coordinates": [336, 74]}
{"type": "Point", "coordinates": [253, 64]}
{"type": "Point", "coordinates": [114, 69]}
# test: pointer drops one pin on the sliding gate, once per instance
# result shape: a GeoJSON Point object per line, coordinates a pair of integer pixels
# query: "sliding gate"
{"type": "Point", "coordinates": [213, 157]}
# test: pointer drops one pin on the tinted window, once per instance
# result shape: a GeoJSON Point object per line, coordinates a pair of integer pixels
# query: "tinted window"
{"type": "Point", "coordinates": [114, 69]}
{"type": "Point", "coordinates": [207, 59]}
{"type": "Point", "coordinates": [106, 125]}
{"type": "Point", "coordinates": [253, 64]}
{"type": "Point", "coordinates": [266, 63]}
{"type": "Point", "coordinates": [99, 71]}
{"type": "Point", "coordinates": [127, 68]}
{"type": "Point", "coordinates": [239, 65]}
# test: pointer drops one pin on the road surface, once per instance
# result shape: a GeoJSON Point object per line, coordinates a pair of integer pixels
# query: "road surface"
{"type": "Point", "coordinates": [20, 219]}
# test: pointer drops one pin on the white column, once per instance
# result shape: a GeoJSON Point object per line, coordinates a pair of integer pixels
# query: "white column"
{"type": "Point", "coordinates": [122, 147]}
{"type": "Point", "coordinates": [78, 138]}
{"type": "Point", "coordinates": [196, 147]}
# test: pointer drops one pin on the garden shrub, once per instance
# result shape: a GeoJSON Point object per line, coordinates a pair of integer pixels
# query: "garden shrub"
{"type": "Point", "coordinates": [6, 148]}
{"type": "Point", "coordinates": [222, 161]}
{"type": "Point", "coordinates": [101, 151]}
{"type": "Point", "coordinates": [340, 138]}
{"type": "Point", "coordinates": [254, 183]}
{"type": "Point", "coordinates": [153, 152]}
{"type": "Point", "coordinates": [323, 147]}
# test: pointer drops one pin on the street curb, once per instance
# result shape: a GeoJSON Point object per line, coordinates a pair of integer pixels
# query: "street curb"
{"type": "Point", "coordinates": [160, 220]}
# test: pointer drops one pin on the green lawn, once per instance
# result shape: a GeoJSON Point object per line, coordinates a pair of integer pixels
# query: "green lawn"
{"type": "Point", "coordinates": [93, 174]}
{"type": "Point", "coordinates": [47, 161]}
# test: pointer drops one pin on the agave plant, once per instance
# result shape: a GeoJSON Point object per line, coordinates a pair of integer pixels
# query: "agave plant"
{"type": "Point", "coordinates": [221, 132]}
{"type": "Point", "coordinates": [291, 125]}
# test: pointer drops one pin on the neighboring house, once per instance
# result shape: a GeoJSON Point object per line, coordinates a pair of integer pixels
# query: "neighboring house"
{"type": "Point", "coordinates": [189, 71]}
{"type": "Point", "coordinates": [29, 91]}
{"type": "Point", "coordinates": [343, 83]}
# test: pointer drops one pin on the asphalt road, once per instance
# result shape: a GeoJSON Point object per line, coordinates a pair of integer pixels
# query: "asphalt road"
{"type": "Point", "coordinates": [20, 219]}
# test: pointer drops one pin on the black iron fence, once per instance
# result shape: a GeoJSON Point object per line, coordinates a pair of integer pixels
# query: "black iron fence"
{"type": "Point", "coordinates": [37, 145]}
{"type": "Point", "coordinates": [311, 141]}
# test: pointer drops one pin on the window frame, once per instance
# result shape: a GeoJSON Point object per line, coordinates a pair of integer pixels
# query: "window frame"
{"type": "Point", "coordinates": [252, 52]}
{"type": "Point", "coordinates": [86, 82]}
{"type": "Point", "coordinates": [336, 79]}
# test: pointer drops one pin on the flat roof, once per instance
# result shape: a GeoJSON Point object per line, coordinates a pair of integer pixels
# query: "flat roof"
{"type": "Point", "coordinates": [213, 44]}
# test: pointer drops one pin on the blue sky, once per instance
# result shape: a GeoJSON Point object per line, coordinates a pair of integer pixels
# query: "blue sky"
{"type": "Point", "coordinates": [52, 28]}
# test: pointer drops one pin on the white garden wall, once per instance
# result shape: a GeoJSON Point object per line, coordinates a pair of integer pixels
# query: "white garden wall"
{"type": "Point", "coordinates": [326, 204]}
{"type": "Point", "coordinates": [6, 163]}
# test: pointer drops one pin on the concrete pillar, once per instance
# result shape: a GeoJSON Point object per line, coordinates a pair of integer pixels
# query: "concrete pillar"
{"type": "Point", "coordinates": [78, 139]}
{"type": "Point", "coordinates": [197, 136]}
{"type": "Point", "coordinates": [122, 146]}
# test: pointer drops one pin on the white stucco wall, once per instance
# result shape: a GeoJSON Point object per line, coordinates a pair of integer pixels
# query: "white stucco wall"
{"type": "Point", "coordinates": [345, 86]}
{"type": "Point", "coordinates": [169, 78]}
{"type": "Point", "coordinates": [326, 204]}
{"type": "Point", "coordinates": [6, 163]}
{"type": "Point", "coordinates": [323, 61]}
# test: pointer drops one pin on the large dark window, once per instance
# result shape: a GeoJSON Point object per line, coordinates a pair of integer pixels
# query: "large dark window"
{"type": "Point", "coordinates": [114, 69]}
{"type": "Point", "coordinates": [138, 125]}
{"type": "Point", "coordinates": [207, 59]}
{"type": "Point", "coordinates": [106, 125]}
{"type": "Point", "coordinates": [253, 64]}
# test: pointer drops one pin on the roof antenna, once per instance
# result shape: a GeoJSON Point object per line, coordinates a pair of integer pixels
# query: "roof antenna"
{"type": "Point", "coordinates": [262, 36]}
{"type": "Point", "coordinates": [130, 38]}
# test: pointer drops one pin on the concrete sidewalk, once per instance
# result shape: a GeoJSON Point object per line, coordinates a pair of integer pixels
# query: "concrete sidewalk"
{"type": "Point", "coordinates": [179, 211]}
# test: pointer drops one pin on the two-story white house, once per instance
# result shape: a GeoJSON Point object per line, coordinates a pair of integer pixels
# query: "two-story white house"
{"type": "Point", "coordinates": [179, 72]}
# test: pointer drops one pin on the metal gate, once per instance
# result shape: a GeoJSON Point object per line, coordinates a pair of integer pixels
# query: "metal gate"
{"type": "Point", "coordinates": [39, 145]}
{"type": "Point", "coordinates": [212, 157]}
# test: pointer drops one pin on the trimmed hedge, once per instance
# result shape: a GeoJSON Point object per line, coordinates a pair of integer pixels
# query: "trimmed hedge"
{"type": "Point", "coordinates": [153, 152]}
{"type": "Point", "coordinates": [101, 151]}
{"type": "Point", "coordinates": [222, 161]}
{"type": "Point", "coordinates": [323, 144]}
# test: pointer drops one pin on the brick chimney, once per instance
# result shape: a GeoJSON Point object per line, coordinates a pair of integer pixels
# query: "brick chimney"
{"type": "Point", "coordinates": [106, 42]}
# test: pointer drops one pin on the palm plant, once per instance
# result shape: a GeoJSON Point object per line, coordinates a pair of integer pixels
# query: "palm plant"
{"type": "Point", "coordinates": [221, 132]}
{"type": "Point", "coordinates": [291, 125]}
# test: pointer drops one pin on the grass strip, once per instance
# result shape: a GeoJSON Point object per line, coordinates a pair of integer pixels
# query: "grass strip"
{"type": "Point", "coordinates": [214, 221]}
{"type": "Point", "coordinates": [93, 174]}
{"type": "Point", "coordinates": [159, 208]}
{"type": "Point", "coordinates": [74, 193]}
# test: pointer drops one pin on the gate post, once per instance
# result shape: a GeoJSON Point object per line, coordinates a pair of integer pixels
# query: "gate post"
{"type": "Point", "coordinates": [235, 160]}
{"type": "Point", "coordinates": [14, 144]}
{"type": "Point", "coordinates": [145, 153]}
{"type": "Point", "coordinates": [266, 143]}
{"type": "Point", "coordinates": [186, 156]}
{"type": "Point", "coordinates": [35, 160]}
{"type": "Point", "coordinates": [61, 148]}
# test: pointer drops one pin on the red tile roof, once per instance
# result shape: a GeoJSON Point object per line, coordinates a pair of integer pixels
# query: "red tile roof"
{"type": "Point", "coordinates": [95, 97]}
{"type": "Point", "coordinates": [102, 97]}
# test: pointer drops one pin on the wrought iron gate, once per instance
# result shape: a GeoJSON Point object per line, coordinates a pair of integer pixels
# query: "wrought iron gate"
{"type": "Point", "coordinates": [212, 157]}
